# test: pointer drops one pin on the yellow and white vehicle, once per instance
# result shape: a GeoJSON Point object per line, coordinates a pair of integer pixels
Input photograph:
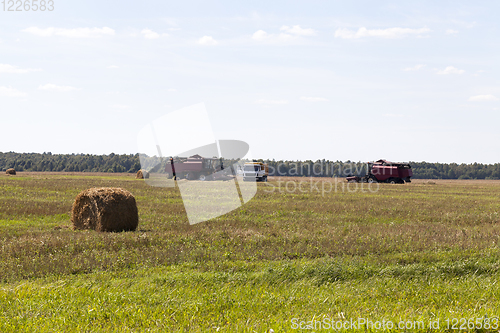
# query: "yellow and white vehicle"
{"type": "Point", "coordinates": [255, 171]}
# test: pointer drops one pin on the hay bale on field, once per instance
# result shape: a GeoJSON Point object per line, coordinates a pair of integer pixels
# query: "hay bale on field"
{"type": "Point", "coordinates": [105, 209]}
{"type": "Point", "coordinates": [10, 171]}
{"type": "Point", "coordinates": [142, 174]}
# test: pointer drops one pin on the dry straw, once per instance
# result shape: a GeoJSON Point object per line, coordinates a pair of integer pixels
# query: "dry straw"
{"type": "Point", "coordinates": [142, 174]}
{"type": "Point", "coordinates": [10, 171]}
{"type": "Point", "coordinates": [105, 209]}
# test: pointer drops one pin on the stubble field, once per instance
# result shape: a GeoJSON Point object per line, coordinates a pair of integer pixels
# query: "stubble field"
{"type": "Point", "coordinates": [413, 253]}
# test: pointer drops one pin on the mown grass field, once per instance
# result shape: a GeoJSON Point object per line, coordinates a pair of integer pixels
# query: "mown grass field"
{"type": "Point", "coordinates": [414, 253]}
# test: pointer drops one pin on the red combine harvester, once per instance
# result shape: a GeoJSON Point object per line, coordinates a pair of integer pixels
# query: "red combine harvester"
{"type": "Point", "coordinates": [384, 171]}
{"type": "Point", "coordinates": [193, 167]}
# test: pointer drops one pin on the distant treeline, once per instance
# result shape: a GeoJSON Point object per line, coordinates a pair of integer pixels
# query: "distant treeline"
{"type": "Point", "coordinates": [321, 168]}
{"type": "Point", "coordinates": [73, 162]}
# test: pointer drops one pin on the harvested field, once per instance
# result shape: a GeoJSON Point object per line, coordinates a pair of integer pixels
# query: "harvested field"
{"type": "Point", "coordinates": [418, 251]}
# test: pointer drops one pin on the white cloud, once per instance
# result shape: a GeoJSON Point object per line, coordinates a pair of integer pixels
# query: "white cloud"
{"type": "Point", "coordinates": [11, 92]}
{"type": "Point", "coordinates": [172, 90]}
{"type": "Point", "coordinates": [262, 36]}
{"type": "Point", "coordinates": [269, 102]}
{"type": "Point", "coordinates": [297, 30]}
{"type": "Point", "coordinates": [40, 32]}
{"type": "Point", "coordinates": [451, 31]}
{"type": "Point", "coordinates": [112, 67]}
{"type": "Point", "coordinates": [383, 33]}
{"type": "Point", "coordinates": [289, 34]}
{"type": "Point", "coordinates": [71, 33]}
{"type": "Point", "coordinates": [314, 99]}
{"type": "Point", "coordinates": [207, 40]}
{"type": "Point", "coordinates": [53, 87]}
{"type": "Point", "coordinates": [483, 98]}
{"type": "Point", "coordinates": [414, 68]}
{"type": "Point", "coordinates": [5, 68]}
{"type": "Point", "coordinates": [150, 34]}
{"type": "Point", "coordinates": [451, 70]}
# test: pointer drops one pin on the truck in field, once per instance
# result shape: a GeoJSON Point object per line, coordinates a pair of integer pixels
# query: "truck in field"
{"type": "Point", "coordinates": [194, 167]}
{"type": "Point", "coordinates": [383, 171]}
{"type": "Point", "coordinates": [255, 171]}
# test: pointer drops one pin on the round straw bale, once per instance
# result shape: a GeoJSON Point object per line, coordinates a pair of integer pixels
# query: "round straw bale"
{"type": "Point", "coordinates": [10, 171]}
{"type": "Point", "coordinates": [142, 174]}
{"type": "Point", "coordinates": [105, 209]}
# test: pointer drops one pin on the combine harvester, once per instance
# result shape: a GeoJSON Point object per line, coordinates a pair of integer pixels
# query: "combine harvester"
{"type": "Point", "coordinates": [193, 168]}
{"type": "Point", "coordinates": [201, 168]}
{"type": "Point", "coordinates": [383, 171]}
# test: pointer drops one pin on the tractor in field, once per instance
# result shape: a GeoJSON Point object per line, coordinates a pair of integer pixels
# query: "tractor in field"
{"type": "Point", "coordinates": [383, 171]}
{"type": "Point", "coordinates": [193, 168]}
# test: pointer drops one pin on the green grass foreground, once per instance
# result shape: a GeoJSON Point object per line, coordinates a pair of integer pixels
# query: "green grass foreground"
{"type": "Point", "coordinates": [414, 253]}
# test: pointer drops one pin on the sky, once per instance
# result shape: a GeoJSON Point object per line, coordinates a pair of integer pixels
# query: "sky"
{"type": "Point", "coordinates": [296, 80]}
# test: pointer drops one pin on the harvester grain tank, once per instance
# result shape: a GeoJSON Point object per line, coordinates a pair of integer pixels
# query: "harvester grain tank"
{"type": "Point", "coordinates": [383, 171]}
{"type": "Point", "coordinates": [193, 167]}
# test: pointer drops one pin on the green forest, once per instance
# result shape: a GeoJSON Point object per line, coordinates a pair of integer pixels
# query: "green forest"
{"type": "Point", "coordinates": [69, 162]}
{"type": "Point", "coordinates": [321, 168]}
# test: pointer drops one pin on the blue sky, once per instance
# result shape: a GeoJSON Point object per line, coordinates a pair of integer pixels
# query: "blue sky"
{"type": "Point", "coordinates": [339, 80]}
